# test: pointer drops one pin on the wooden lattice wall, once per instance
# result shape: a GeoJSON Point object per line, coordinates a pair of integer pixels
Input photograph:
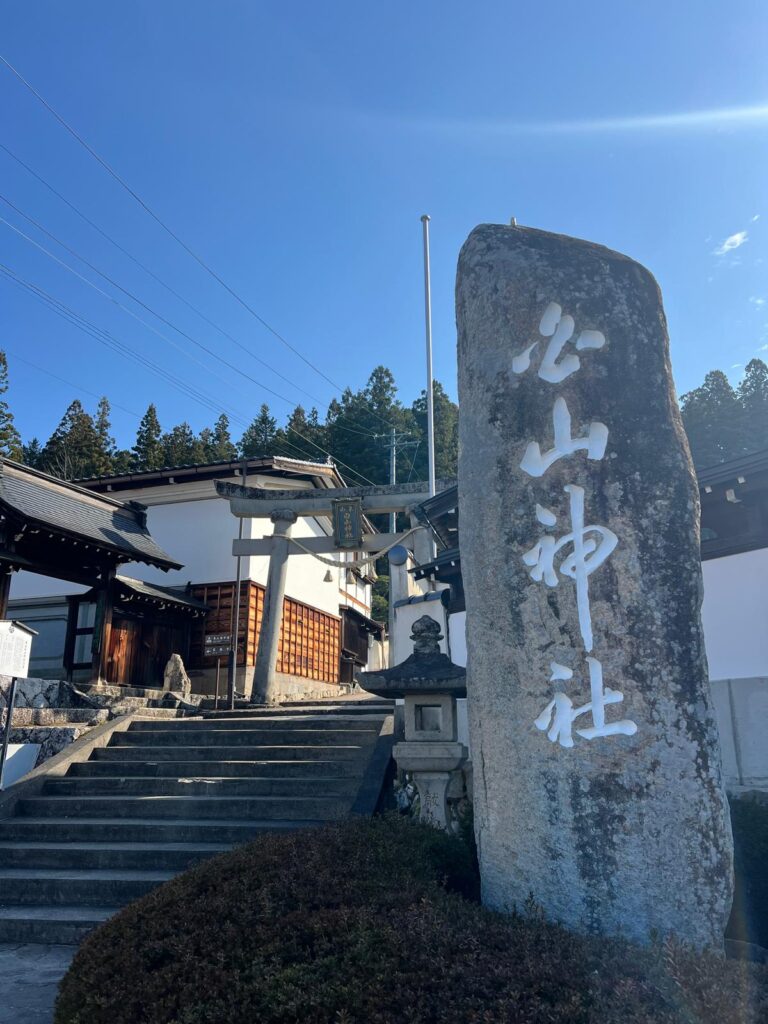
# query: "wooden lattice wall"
{"type": "Point", "coordinates": [310, 640]}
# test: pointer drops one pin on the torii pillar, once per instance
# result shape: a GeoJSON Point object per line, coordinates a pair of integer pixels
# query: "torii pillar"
{"type": "Point", "coordinates": [264, 681]}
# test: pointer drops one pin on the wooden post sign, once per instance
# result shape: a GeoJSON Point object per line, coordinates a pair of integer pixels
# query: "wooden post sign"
{"type": "Point", "coordinates": [216, 645]}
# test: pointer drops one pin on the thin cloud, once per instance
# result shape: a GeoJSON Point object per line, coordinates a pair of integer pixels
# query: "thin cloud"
{"type": "Point", "coordinates": [756, 217]}
{"type": "Point", "coordinates": [756, 300]}
{"type": "Point", "coordinates": [732, 242]}
{"type": "Point", "coordinates": [736, 366]}
{"type": "Point", "coordinates": [724, 117]}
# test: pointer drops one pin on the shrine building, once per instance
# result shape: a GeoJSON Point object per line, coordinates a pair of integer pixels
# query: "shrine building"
{"type": "Point", "coordinates": [117, 617]}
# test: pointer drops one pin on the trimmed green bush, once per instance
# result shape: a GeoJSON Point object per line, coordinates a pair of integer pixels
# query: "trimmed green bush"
{"type": "Point", "coordinates": [374, 922]}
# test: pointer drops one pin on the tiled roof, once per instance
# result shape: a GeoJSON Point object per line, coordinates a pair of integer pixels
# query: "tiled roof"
{"type": "Point", "coordinates": [93, 518]}
{"type": "Point", "coordinates": [158, 593]}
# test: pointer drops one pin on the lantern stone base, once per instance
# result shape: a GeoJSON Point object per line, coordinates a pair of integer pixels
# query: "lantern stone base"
{"type": "Point", "coordinates": [432, 766]}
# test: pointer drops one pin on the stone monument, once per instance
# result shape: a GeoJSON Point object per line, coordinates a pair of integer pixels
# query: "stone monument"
{"type": "Point", "coordinates": [595, 751]}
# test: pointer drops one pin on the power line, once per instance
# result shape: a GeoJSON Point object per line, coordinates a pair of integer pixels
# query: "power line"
{"type": "Point", "coordinates": [135, 298]}
{"type": "Point", "coordinates": [111, 342]}
{"type": "Point", "coordinates": [146, 270]}
{"type": "Point", "coordinates": [211, 352]}
{"type": "Point", "coordinates": [107, 339]}
{"type": "Point", "coordinates": [198, 259]}
{"type": "Point", "coordinates": [69, 383]}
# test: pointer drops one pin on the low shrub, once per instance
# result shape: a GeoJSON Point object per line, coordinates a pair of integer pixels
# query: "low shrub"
{"type": "Point", "coordinates": [749, 918]}
{"type": "Point", "coordinates": [369, 922]}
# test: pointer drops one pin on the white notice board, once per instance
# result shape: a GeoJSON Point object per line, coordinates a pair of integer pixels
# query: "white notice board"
{"type": "Point", "coordinates": [15, 647]}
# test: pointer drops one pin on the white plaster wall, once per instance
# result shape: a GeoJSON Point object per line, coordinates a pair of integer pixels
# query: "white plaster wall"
{"type": "Point", "coordinates": [195, 527]}
{"type": "Point", "coordinates": [735, 615]}
{"type": "Point", "coordinates": [30, 584]}
{"type": "Point", "coordinates": [457, 637]}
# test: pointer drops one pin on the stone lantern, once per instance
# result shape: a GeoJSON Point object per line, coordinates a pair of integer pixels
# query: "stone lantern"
{"type": "Point", "coordinates": [429, 683]}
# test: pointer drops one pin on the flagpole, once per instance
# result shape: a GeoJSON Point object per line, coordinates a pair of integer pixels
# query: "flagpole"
{"type": "Point", "coordinates": [428, 322]}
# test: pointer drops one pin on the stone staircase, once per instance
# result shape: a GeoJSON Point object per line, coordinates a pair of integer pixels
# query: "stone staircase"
{"type": "Point", "coordinates": [164, 794]}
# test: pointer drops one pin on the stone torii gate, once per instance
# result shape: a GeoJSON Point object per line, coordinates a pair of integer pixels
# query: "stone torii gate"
{"type": "Point", "coordinates": [283, 508]}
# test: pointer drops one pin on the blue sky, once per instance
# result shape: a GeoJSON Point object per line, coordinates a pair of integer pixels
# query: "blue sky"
{"type": "Point", "coordinates": [295, 146]}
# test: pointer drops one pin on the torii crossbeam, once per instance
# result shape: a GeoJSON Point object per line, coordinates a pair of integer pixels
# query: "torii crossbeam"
{"type": "Point", "coordinates": [283, 508]}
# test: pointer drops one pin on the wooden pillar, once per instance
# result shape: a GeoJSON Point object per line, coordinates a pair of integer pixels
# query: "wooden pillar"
{"type": "Point", "coordinates": [102, 630]}
{"type": "Point", "coordinates": [5, 590]}
{"type": "Point", "coordinates": [264, 681]}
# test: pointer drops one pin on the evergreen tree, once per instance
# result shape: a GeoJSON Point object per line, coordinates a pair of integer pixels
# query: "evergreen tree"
{"type": "Point", "coordinates": [105, 453]}
{"type": "Point", "coordinates": [181, 448]}
{"type": "Point", "coordinates": [73, 451]}
{"type": "Point", "coordinates": [711, 416]}
{"type": "Point", "coordinates": [752, 395]}
{"type": "Point", "coordinates": [358, 427]}
{"type": "Point", "coordinates": [148, 450]}
{"type": "Point", "coordinates": [123, 462]}
{"type": "Point", "coordinates": [32, 454]}
{"type": "Point", "coordinates": [10, 439]}
{"type": "Point", "coordinates": [219, 447]}
{"type": "Point", "coordinates": [446, 435]}
{"type": "Point", "coordinates": [259, 437]}
{"type": "Point", "coordinates": [303, 436]}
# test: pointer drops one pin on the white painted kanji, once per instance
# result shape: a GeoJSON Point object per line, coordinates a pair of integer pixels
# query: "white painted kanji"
{"type": "Point", "coordinates": [590, 546]}
{"type": "Point", "coordinates": [584, 548]}
{"type": "Point", "coordinates": [559, 329]}
{"type": "Point", "coordinates": [536, 463]}
{"type": "Point", "coordinates": [558, 716]}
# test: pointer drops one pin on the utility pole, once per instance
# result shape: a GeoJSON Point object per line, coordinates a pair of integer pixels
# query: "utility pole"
{"type": "Point", "coordinates": [396, 441]}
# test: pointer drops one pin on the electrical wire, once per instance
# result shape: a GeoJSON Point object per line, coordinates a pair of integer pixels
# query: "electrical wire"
{"type": "Point", "coordinates": [146, 270]}
{"type": "Point", "coordinates": [211, 352]}
{"type": "Point", "coordinates": [198, 259]}
{"type": "Point", "coordinates": [110, 341]}
{"type": "Point", "coordinates": [69, 383]}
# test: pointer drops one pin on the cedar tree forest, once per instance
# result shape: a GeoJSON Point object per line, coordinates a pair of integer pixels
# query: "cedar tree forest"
{"type": "Point", "coordinates": [722, 421]}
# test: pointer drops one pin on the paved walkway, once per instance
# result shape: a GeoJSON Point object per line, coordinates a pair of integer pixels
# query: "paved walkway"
{"type": "Point", "coordinates": [29, 978]}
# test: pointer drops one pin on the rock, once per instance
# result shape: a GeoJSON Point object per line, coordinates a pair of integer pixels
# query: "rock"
{"type": "Point", "coordinates": [175, 677]}
{"type": "Point", "coordinates": [595, 751]}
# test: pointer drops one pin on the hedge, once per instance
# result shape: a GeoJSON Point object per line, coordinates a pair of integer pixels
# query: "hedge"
{"type": "Point", "coordinates": [376, 922]}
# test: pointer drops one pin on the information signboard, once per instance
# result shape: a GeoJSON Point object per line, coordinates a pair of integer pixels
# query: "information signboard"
{"type": "Point", "coordinates": [15, 648]}
{"type": "Point", "coordinates": [216, 645]}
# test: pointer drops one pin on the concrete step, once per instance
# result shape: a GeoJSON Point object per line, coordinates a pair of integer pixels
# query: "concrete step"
{"type": "Point", "coordinates": [297, 752]}
{"type": "Point", "coordinates": [58, 716]}
{"type": "Point", "coordinates": [319, 808]}
{"type": "Point", "coordinates": [101, 856]}
{"type": "Point", "coordinates": [141, 830]}
{"type": "Point", "coordinates": [340, 768]}
{"type": "Point", "coordinates": [260, 723]}
{"type": "Point", "coordinates": [283, 711]}
{"type": "Point", "coordinates": [176, 736]}
{"type": "Point", "coordinates": [203, 784]}
{"type": "Point", "coordinates": [64, 924]}
{"type": "Point", "coordinates": [57, 887]}
{"type": "Point", "coordinates": [115, 690]}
